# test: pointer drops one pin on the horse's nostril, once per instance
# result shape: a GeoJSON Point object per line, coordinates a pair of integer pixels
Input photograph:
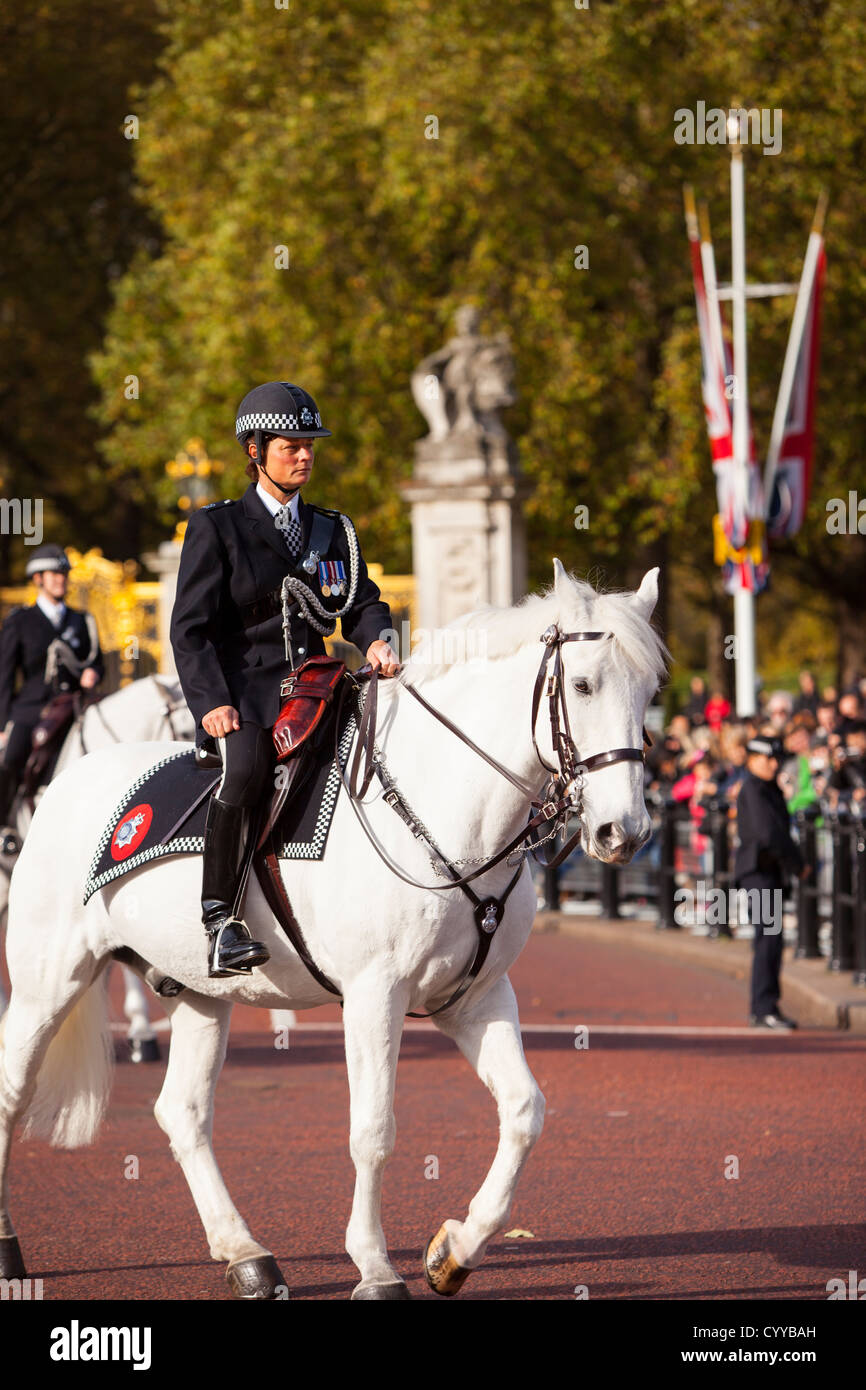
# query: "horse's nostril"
{"type": "Point", "coordinates": [605, 832]}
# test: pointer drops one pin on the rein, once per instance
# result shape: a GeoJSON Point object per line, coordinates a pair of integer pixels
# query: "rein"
{"type": "Point", "coordinates": [168, 709]}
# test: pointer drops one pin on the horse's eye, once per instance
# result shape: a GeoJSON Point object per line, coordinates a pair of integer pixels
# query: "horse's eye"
{"type": "Point", "coordinates": [581, 686]}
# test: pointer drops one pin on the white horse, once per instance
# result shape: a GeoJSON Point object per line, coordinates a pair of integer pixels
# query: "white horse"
{"type": "Point", "coordinates": [389, 947]}
{"type": "Point", "coordinates": [151, 708]}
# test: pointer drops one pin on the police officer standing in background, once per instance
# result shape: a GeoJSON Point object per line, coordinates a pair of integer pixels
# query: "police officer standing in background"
{"type": "Point", "coordinates": [765, 850]}
{"type": "Point", "coordinates": [56, 648]}
{"type": "Point", "coordinates": [227, 633]}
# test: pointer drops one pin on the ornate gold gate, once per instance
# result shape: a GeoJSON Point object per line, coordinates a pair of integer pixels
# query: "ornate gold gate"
{"type": "Point", "coordinates": [127, 610]}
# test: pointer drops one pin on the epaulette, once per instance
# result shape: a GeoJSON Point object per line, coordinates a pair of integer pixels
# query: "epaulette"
{"type": "Point", "coordinates": [326, 511]}
{"type": "Point", "coordinates": [226, 502]}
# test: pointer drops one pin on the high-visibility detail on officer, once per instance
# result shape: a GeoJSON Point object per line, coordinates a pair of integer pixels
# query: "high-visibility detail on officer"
{"type": "Point", "coordinates": [228, 640]}
{"type": "Point", "coordinates": [55, 648]}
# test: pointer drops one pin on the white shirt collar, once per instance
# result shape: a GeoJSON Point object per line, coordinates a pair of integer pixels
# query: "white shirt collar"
{"type": "Point", "coordinates": [54, 612]}
{"type": "Point", "coordinates": [273, 505]}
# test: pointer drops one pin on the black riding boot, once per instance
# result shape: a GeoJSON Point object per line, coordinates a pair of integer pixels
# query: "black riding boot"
{"type": "Point", "coordinates": [228, 842]}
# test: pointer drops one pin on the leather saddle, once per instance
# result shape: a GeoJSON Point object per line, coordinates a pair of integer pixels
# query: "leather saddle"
{"type": "Point", "coordinates": [308, 695]}
{"type": "Point", "coordinates": [303, 721]}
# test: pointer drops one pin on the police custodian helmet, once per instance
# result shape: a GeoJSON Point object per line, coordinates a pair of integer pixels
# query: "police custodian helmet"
{"type": "Point", "coordinates": [48, 557]}
{"type": "Point", "coordinates": [279, 408]}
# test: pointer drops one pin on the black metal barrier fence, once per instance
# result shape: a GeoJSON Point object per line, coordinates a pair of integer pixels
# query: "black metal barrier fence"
{"type": "Point", "coordinates": [832, 843]}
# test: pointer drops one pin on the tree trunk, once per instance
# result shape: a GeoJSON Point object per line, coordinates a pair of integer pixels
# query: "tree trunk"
{"type": "Point", "coordinates": [852, 643]}
{"type": "Point", "coordinates": [656, 553]}
{"type": "Point", "coordinates": [5, 556]}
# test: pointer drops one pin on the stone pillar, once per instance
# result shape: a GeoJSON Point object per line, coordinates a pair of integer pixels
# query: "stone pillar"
{"type": "Point", "coordinates": [467, 492]}
{"type": "Point", "coordinates": [165, 562]}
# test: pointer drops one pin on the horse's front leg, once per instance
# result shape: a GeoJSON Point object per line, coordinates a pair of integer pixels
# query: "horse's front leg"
{"type": "Point", "coordinates": [489, 1038]}
{"type": "Point", "coordinates": [184, 1109]}
{"type": "Point", "coordinates": [373, 1020]}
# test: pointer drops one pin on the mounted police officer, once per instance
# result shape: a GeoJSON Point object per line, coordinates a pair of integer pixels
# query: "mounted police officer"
{"type": "Point", "coordinates": [765, 851]}
{"type": "Point", "coordinates": [227, 633]}
{"type": "Point", "coordinates": [56, 648]}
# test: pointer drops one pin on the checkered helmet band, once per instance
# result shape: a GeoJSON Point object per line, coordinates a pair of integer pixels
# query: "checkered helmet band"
{"type": "Point", "coordinates": [281, 408]}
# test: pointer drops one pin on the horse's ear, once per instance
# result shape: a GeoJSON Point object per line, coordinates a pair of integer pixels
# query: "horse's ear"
{"type": "Point", "coordinates": [561, 581]}
{"type": "Point", "coordinates": [646, 597]}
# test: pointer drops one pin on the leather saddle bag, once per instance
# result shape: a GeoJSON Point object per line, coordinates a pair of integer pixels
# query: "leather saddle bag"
{"type": "Point", "coordinates": [55, 718]}
{"type": "Point", "coordinates": [306, 693]}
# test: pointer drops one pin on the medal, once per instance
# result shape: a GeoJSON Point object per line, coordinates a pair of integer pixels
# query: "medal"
{"type": "Point", "coordinates": [332, 578]}
{"type": "Point", "coordinates": [311, 561]}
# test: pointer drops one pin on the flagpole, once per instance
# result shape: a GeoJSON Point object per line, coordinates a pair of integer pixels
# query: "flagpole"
{"type": "Point", "coordinates": [744, 599]}
{"type": "Point", "coordinates": [792, 353]}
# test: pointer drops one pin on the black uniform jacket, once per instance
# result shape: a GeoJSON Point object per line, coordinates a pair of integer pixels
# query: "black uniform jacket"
{"type": "Point", "coordinates": [234, 556]}
{"type": "Point", "coordinates": [763, 829]}
{"type": "Point", "coordinates": [25, 638]}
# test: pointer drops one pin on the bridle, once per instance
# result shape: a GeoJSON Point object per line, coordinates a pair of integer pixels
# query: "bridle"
{"type": "Point", "coordinates": [563, 793]}
{"type": "Point", "coordinates": [565, 787]}
{"type": "Point", "coordinates": [561, 798]}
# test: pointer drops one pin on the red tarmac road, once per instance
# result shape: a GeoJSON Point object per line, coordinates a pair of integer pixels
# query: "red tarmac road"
{"type": "Point", "coordinates": [625, 1193]}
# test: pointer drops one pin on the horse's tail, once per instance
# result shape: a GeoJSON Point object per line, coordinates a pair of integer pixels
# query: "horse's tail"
{"type": "Point", "coordinates": [74, 1081]}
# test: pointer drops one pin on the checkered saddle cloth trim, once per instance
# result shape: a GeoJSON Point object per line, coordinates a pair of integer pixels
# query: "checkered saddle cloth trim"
{"type": "Point", "coordinates": [164, 812]}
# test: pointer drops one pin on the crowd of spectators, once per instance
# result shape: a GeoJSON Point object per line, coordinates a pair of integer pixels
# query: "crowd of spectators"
{"type": "Point", "coordinates": [701, 756]}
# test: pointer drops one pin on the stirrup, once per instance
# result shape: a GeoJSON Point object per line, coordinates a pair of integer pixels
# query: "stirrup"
{"type": "Point", "coordinates": [235, 956]}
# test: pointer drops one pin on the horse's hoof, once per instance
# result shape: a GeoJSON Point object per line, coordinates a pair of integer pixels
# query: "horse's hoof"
{"type": "Point", "coordinates": [444, 1275]}
{"type": "Point", "coordinates": [11, 1261]}
{"type": "Point", "coordinates": [257, 1278]}
{"type": "Point", "coordinates": [396, 1292]}
{"type": "Point", "coordinates": [143, 1050]}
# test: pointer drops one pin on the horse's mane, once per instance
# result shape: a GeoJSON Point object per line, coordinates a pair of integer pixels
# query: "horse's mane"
{"type": "Point", "coordinates": [494, 633]}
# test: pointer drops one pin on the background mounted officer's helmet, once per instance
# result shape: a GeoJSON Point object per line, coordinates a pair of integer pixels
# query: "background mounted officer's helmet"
{"type": "Point", "coordinates": [48, 557]}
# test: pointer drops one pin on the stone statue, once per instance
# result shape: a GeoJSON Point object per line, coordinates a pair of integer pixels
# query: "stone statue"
{"type": "Point", "coordinates": [460, 388]}
{"type": "Point", "coordinates": [466, 490]}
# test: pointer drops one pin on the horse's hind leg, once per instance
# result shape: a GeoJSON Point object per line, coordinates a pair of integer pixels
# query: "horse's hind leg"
{"type": "Point", "coordinates": [18, 1070]}
{"type": "Point", "coordinates": [199, 1033]}
{"type": "Point", "coordinates": [373, 1022]}
{"type": "Point", "coordinates": [489, 1038]}
{"type": "Point", "coordinates": [27, 1029]}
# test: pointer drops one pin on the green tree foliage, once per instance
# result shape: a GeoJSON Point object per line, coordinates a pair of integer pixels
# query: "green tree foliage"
{"type": "Point", "coordinates": [309, 128]}
{"type": "Point", "coordinates": [68, 225]}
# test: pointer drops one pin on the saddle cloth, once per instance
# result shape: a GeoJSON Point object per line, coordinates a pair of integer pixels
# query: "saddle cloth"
{"type": "Point", "coordinates": [165, 809]}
